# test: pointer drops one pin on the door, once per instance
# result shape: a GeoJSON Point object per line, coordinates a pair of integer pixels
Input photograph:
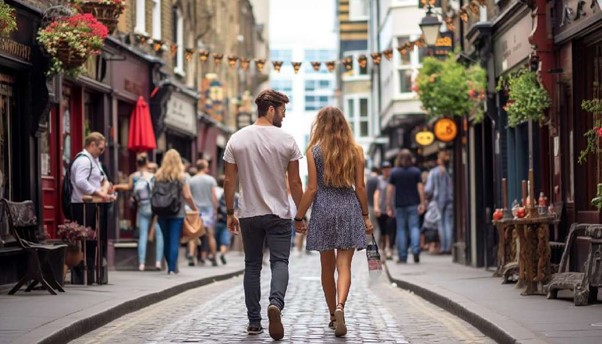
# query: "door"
{"type": "Point", "coordinates": [51, 173]}
{"type": "Point", "coordinates": [7, 107]}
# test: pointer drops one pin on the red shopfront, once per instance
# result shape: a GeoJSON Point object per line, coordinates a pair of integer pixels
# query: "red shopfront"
{"type": "Point", "coordinates": [82, 106]}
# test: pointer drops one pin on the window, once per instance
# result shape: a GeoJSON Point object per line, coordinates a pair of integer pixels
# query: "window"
{"type": "Point", "coordinates": [407, 58]}
{"type": "Point", "coordinates": [405, 80]}
{"type": "Point", "coordinates": [317, 85]}
{"type": "Point", "coordinates": [179, 39]}
{"type": "Point", "coordinates": [140, 18]}
{"type": "Point", "coordinates": [156, 19]}
{"type": "Point", "coordinates": [358, 10]}
{"type": "Point", "coordinates": [313, 103]}
{"type": "Point", "coordinates": [357, 110]}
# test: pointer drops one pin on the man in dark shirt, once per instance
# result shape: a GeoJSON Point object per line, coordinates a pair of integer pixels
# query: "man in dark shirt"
{"type": "Point", "coordinates": [371, 187]}
{"type": "Point", "coordinates": [406, 185]}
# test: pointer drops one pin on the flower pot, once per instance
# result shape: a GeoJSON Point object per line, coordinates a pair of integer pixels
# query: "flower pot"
{"type": "Point", "coordinates": [69, 57]}
{"type": "Point", "coordinates": [73, 255]}
{"type": "Point", "coordinates": [104, 13]}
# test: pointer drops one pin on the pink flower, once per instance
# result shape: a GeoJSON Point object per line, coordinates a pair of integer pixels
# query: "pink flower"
{"type": "Point", "coordinates": [600, 132]}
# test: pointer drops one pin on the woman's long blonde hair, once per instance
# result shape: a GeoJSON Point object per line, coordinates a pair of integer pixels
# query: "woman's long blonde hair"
{"type": "Point", "coordinates": [340, 153]}
{"type": "Point", "coordinates": [171, 167]}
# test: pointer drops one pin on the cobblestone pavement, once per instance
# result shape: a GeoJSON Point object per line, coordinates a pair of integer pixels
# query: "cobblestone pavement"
{"type": "Point", "coordinates": [376, 312]}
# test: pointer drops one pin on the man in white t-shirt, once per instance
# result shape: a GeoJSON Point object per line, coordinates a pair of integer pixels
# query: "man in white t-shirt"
{"type": "Point", "coordinates": [260, 157]}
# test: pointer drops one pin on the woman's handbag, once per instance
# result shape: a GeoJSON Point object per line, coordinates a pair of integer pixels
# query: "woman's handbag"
{"type": "Point", "coordinates": [193, 226]}
{"type": "Point", "coordinates": [374, 264]}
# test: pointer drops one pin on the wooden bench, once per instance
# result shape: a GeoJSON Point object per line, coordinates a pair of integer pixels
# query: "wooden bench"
{"type": "Point", "coordinates": [585, 281]}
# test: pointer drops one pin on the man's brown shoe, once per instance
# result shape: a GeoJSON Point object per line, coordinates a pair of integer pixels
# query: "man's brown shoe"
{"type": "Point", "coordinates": [275, 322]}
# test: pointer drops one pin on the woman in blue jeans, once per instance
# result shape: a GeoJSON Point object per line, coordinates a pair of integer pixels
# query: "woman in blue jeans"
{"type": "Point", "coordinates": [172, 170]}
{"type": "Point", "coordinates": [140, 184]}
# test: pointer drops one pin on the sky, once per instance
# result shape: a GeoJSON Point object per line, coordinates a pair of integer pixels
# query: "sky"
{"type": "Point", "coordinates": [301, 21]}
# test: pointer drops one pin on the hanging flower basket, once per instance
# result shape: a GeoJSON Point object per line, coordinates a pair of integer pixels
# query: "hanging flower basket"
{"type": "Point", "coordinates": [71, 40]}
{"type": "Point", "coordinates": [527, 99]}
{"type": "Point", "coordinates": [8, 23]}
{"type": "Point", "coordinates": [105, 11]}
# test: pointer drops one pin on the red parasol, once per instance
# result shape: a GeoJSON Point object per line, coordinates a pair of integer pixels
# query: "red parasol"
{"type": "Point", "coordinates": [142, 135]}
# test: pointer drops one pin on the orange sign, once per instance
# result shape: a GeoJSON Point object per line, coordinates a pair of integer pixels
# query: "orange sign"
{"type": "Point", "coordinates": [424, 138]}
{"type": "Point", "coordinates": [445, 129]}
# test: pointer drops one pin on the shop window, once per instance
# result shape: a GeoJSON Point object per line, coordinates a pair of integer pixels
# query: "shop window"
{"type": "Point", "coordinates": [357, 110]}
{"type": "Point", "coordinates": [405, 81]}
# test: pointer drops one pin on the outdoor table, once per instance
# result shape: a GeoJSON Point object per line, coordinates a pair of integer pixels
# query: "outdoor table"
{"type": "Point", "coordinates": [98, 257]}
{"type": "Point", "coordinates": [507, 252]}
{"type": "Point", "coordinates": [534, 258]}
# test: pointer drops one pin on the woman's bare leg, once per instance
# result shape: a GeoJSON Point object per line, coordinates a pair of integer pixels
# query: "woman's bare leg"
{"type": "Point", "coordinates": [328, 262]}
{"type": "Point", "coordinates": [343, 260]}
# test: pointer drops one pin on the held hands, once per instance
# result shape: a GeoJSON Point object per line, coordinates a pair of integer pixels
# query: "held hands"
{"type": "Point", "coordinates": [233, 224]}
{"type": "Point", "coordinates": [300, 227]}
{"type": "Point", "coordinates": [421, 208]}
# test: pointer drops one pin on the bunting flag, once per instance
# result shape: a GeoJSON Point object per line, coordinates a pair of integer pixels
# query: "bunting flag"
{"type": "Point", "coordinates": [232, 59]}
{"type": "Point", "coordinates": [217, 58]}
{"type": "Point", "coordinates": [296, 66]}
{"type": "Point", "coordinates": [388, 54]}
{"type": "Point", "coordinates": [244, 63]}
{"type": "Point", "coordinates": [348, 63]}
{"type": "Point", "coordinates": [157, 45]}
{"type": "Point", "coordinates": [203, 56]}
{"type": "Point", "coordinates": [362, 61]}
{"type": "Point", "coordinates": [173, 49]}
{"type": "Point", "coordinates": [277, 65]}
{"type": "Point", "coordinates": [259, 64]}
{"type": "Point", "coordinates": [316, 65]}
{"type": "Point", "coordinates": [188, 53]}
{"type": "Point", "coordinates": [330, 65]}
{"type": "Point", "coordinates": [376, 57]}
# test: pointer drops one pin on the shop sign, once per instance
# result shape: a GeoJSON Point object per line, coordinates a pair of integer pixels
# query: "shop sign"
{"type": "Point", "coordinates": [181, 114]}
{"type": "Point", "coordinates": [513, 47]}
{"type": "Point", "coordinates": [424, 138]}
{"type": "Point", "coordinates": [16, 49]}
{"type": "Point", "coordinates": [445, 130]}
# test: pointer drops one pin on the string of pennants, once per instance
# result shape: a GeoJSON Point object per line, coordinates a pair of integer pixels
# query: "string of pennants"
{"type": "Point", "coordinates": [472, 7]}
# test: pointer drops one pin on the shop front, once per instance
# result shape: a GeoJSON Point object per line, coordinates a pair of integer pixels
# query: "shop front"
{"type": "Point", "coordinates": [174, 112]}
{"type": "Point", "coordinates": [578, 78]}
{"type": "Point", "coordinates": [23, 121]}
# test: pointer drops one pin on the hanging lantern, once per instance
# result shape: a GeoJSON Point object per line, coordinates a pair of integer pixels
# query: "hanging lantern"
{"type": "Point", "coordinates": [330, 65]}
{"type": "Point", "coordinates": [232, 60]}
{"type": "Point", "coordinates": [316, 65]}
{"type": "Point", "coordinates": [157, 45]}
{"type": "Point", "coordinates": [296, 66]}
{"type": "Point", "coordinates": [244, 63]}
{"type": "Point", "coordinates": [388, 54]}
{"type": "Point", "coordinates": [217, 58]}
{"type": "Point", "coordinates": [203, 56]}
{"type": "Point", "coordinates": [259, 64]}
{"type": "Point", "coordinates": [173, 49]}
{"type": "Point", "coordinates": [376, 57]}
{"type": "Point", "coordinates": [277, 65]}
{"type": "Point", "coordinates": [188, 53]}
{"type": "Point", "coordinates": [362, 61]}
{"type": "Point", "coordinates": [463, 14]}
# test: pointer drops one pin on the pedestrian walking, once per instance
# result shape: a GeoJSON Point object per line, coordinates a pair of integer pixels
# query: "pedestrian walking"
{"type": "Point", "coordinates": [372, 183]}
{"type": "Point", "coordinates": [260, 157]}
{"type": "Point", "coordinates": [140, 183]}
{"type": "Point", "coordinates": [406, 188]}
{"type": "Point", "coordinates": [386, 223]}
{"type": "Point", "coordinates": [340, 219]}
{"type": "Point", "coordinates": [204, 192]}
{"type": "Point", "coordinates": [440, 187]}
{"type": "Point", "coordinates": [223, 237]}
{"type": "Point", "coordinates": [170, 194]}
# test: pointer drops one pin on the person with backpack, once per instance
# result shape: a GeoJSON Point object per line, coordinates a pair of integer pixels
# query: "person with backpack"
{"type": "Point", "coordinates": [140, 183]}
{"type": "Point", "coordinates": [86, 177]}
{"type": "Point", "coordinates": [170, 194]}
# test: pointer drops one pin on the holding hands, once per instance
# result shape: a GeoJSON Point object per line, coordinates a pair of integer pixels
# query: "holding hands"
{"type": "Point", "coordinates": [300, 225]}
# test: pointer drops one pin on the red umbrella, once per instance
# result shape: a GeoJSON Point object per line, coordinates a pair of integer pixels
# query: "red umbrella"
{"type": "Point", "coordinates": [142, 135]}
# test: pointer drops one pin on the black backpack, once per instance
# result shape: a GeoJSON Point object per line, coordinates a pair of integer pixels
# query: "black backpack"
{"type": "Point", "coordinates": [166, 198]}
{"type": "Point", "coordinates": [67, 188]}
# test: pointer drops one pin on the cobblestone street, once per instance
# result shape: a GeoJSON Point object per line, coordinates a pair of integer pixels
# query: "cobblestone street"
{"type": "Point", "coordinates": [376, 312]}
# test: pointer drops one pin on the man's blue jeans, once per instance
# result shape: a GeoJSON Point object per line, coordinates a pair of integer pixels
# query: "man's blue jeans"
{"type": "Point", "coordinates": [277, 232]}
{"type": "Point", "coordinates": [143, 221]}
{"type": "Point", "coordinates": [446, 227]}
{"type": "Point", "coordinates": [407, 220]}
{"type": "Point", "coordinates": [171, 228]}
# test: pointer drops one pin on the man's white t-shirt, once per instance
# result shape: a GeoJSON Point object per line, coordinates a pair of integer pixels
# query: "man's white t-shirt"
{"type": "Point", "coordinates": [262, 155]}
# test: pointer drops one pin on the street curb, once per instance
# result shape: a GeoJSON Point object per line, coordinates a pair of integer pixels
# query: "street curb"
{"type": "Point", "coordinates": [83, 326]}
{"type": "Point", "coordinates": [487, 327]}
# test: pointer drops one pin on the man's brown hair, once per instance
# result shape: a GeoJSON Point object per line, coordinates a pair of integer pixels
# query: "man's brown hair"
{"type": "Point", "coordinates": [267, 98]}
{"type": "Point", "coordinates": [201, 165]}
{"type": "Point", "coordinates": [405, 158]}
{"type": "Point", "coordinates": [94, 137]}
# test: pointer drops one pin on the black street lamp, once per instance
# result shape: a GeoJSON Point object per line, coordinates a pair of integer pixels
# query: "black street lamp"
{"type": "Point", "coordinates": [430, 26]}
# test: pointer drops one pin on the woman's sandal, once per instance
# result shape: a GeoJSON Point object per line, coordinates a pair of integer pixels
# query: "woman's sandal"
{"type": "Point", "coordinates": [340, 329]}
{"type": "Point", "coordinates": [332, 321]}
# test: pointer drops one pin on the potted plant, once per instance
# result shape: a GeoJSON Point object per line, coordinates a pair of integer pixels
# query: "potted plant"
{"type": "Point", "coordinates": [592, 140]}
{"type": "Point", "coordinates": [73, 234]}
{"type": "Point", "coordinates": [71, 40]}
{"type": "Point", "coordinates": [8, 21]}
{"type": "Point", "coordinates": [106, 11]}
{"type": "Point", "coordinates": [527, 99]}
{"type": "Point", "coordinates": [445, 87]}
